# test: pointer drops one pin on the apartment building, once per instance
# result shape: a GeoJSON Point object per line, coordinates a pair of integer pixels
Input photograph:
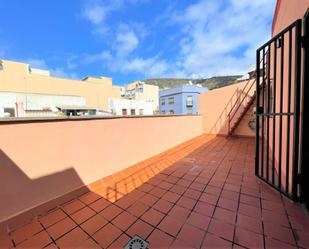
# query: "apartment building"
{"type": "Point", "coordinates": [26, 91]}
{"type": "Point", "coordinates": [181, 99]}
{"type": "Point", "coordinates": [139, 90]}
{"type": "Point", "coordinates": [130, 107]}
{"type": "Point", "coordinates": [137, 98]}
{"type": "Point", "coordinates": [33, 90]}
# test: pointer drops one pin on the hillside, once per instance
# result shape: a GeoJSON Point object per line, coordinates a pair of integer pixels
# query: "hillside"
{"type": "Point", "coordinates": [210, 83]}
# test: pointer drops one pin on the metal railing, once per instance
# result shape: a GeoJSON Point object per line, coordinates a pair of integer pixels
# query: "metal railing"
{"type": "Point", "coordinates": [244, 95]}
{"type": "Point", "coordinates": [278, 111]}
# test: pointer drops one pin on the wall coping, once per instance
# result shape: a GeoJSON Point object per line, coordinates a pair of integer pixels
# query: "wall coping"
{"type": "Point", "coordinates": [82, 118]}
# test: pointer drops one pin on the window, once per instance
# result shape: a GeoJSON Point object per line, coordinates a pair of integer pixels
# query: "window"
{"type": "Point", "coordinates": [171, 111]}
{"type": "Point", "coordinates": [130, 93]}
{"type": "Point", "coordinates": [132, 112]}
{"type": "Point", "coordinates": [141, 112]}
{"type": "Point", "coordinates": [9, 111]}
{"type": "Point", "coordinates": [140, 88]}
{"type": "Point", "coordinates": [162, 101]}
{"type": "Point", "coordinates": [92, 112]}
{"type": "Point", "coordinates": [124, 112]}
{"type": "Point", "coordinates": [171, 100]}
{"type": "Point", "coordinates": [189, 101]}
{"type": "Point", "coordinates": [162, 112]}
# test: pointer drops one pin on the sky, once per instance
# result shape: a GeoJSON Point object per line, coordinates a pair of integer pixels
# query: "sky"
{"type": "Point", "coordinates": [135, 39]}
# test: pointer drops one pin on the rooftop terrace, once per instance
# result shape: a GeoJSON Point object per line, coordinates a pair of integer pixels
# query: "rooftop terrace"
{"type": "Point", "coordinates": [200, 194]}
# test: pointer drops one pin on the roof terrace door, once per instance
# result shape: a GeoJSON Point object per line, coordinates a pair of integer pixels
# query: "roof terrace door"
{"type": "Point", "coordinates": [278, 92]}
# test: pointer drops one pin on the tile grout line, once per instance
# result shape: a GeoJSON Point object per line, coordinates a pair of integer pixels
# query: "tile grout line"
{"type": "Point", "coordinates": [290, 223]}
{"type": "Point", "coordinates": [242, 178]}
{"type": "Point", "coordinates": [108, 221]}
{"type": "Point", "coordinates": [174, 204]}
{"type": "Point", "coordinates": [78, 225]}
{"type": "Point", "coordinates": [232, 242]}
{"type": "Point", "coordinates": [216, 205]}
{"type": "Point", "coordinates": [261, 208]}
{"type": "Point", "coordinates": [149, 207]}
{"type": "Point", "coordinates": [199, 149]}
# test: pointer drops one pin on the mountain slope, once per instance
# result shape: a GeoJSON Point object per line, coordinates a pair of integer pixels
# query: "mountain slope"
{"type": "Point", "coordinates": [210, 83]}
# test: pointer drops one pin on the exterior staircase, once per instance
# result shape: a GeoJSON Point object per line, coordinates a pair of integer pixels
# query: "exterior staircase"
{"type": "Point", "coordinates": [241, 106]}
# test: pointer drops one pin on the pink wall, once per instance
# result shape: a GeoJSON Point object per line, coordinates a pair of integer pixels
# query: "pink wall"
{"type": "Point", "coordinates": [215, 105]}
{"type": "Point", "coordinates": [43, 160]}
{"type": "Point", "coordinates": [288, 11]}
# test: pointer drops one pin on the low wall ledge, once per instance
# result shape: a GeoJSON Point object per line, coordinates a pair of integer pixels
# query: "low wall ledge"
{"type": "Point", "coordinates": [57, 119]}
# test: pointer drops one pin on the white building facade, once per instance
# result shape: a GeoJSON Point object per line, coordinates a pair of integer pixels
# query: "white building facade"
{"type": "Point", "coordinates": [138, 90]}
{"type": "Point", "coordinates": [14, 104]}
{"type": "Point", "coordinates": [130, 107]}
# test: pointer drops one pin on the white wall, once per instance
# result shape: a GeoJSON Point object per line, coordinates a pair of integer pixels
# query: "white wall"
{"type": "Point", "coordinates": [150, 93]}
{"type": "Point", "coordinates": [116, 106]}
{"type": "Point", "coordinates": [38, 101]}
{"type": "Point", "coordinates": [142, 91]}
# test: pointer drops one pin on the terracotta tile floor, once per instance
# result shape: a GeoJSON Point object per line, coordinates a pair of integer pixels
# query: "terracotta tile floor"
{"type": "Point", "coordinates": [207, 197]}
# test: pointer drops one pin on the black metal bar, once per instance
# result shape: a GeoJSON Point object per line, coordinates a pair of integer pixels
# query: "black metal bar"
{"type": "Point", "coordinates": [304, 157]}
{"type": "Point", "coordinates": [274, 119]}
{"type": "Point", "coordinates": [287, 174]}
{"type": "Point", "coordinates": [275, 187]}
{"type": "Point", "coordinates": [257, 119]}
{"type": "Point", "coordinates": [268, 110]}
{"type": "Point", "coordinates": [281, 107]}
{"type": "Point", "coordinates": [264, 112]}
{"type": "Point", "coordinates": [292, 25]}
{"type": "Point", "coordinates": [279, 114]}
{"type": "Point", "coordinates": [296, 108]}
{"type": "Point", "coordinates": [263, 108]}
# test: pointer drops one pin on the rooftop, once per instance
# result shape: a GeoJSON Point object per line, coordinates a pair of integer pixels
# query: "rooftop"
{"type": "Point", "coordinates": [200, 194]}
{"type": "Point", "coordinates": [183, 89]}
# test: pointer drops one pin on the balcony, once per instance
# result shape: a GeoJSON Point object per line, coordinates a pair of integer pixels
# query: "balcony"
{"type": "Point", "coordinates": [176, 181]}
{"type": "Point", "coordinates": [199, 194]}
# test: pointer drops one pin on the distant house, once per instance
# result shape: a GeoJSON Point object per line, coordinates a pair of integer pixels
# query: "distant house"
{"type": "Point", "coordinates": [180, 100]}
{"type": "Point", "coordinates": [130, 107]}
{"type": "Point", "coordinates": [138, 90]}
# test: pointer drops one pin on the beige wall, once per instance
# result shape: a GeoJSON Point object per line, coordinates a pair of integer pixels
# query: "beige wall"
{"type": "Point", "coordinates": [15, 77]}
{"type": "Point", "coordinates": [43, 160]}
{"type": "Point", "coordinates": [150, 93]}
{"type": "Point", "coordinates": [214, 107]}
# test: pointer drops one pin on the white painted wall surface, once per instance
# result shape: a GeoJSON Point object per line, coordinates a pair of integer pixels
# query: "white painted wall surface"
{"type": "Point", "coordinates": [38, 101]}
{"type": "Point", "coordinates": [116, 106]}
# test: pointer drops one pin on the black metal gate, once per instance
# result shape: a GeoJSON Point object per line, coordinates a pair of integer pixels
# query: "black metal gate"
{"type": "Point", "coordinates": [278, 92]}
{"type": "Point", "coordinates": [304, 157]}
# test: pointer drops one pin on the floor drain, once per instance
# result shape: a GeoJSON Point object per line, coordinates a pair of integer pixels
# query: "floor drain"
{"type": "Point", "coordinates": [136, 243]}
